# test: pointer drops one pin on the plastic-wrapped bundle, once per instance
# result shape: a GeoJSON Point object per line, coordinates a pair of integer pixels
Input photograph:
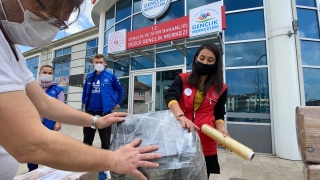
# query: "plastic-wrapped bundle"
{"type": "Point", "coordinates": [182, 156]}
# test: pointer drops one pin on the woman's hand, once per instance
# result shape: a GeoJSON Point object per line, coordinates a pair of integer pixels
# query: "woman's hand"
{"type": "Point", "coordinates": [221, 127]}
{"type": "Point", "coordinates": [186, 123]}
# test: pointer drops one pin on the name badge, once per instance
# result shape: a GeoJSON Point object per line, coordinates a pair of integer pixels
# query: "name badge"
{"type": "Point", "coordinates": [188, 92]}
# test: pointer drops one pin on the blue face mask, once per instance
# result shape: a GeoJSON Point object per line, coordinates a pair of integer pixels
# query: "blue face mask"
{"type": "Point", "coordinates": [204, 69]}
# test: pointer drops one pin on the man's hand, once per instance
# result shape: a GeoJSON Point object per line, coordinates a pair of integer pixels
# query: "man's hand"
{"type": "Point", "coordinates": [116, 107]}
{"type": "Point", "coordinates": [131, 158]}
{"type": "Point", "coordinates": [186, 123]}
{"type": "Point", "coordinates": [57, 126]}
{"type": "Point", "coordinates": [109, 119]}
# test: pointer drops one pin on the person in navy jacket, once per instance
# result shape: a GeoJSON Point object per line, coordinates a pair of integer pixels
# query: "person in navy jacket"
{"type": "Point", "coordinates": [102, 93]}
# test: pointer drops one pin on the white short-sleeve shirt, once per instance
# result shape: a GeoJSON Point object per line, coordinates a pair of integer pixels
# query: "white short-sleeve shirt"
{"type": "Point", "coordinates": [14, 76]}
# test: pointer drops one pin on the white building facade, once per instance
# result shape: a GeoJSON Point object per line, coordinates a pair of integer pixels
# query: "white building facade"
{"type": "Point", "coordinates": [268, 70]}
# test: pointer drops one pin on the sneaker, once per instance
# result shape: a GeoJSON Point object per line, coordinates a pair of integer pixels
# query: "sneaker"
{"type": "Point", "coordinates": [108, 174]}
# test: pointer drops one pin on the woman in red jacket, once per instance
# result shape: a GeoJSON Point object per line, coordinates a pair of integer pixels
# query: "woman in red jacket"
{"type": "Point", "coordinates": [199, 98]}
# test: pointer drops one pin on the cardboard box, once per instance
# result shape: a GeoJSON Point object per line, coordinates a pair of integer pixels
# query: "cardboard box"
{"type": "Point", "coordinates": [308, 133]}
{"type": "Point", "coordinates": [311, 171]}
{"type": "Point", "coordinates": [46, 173]}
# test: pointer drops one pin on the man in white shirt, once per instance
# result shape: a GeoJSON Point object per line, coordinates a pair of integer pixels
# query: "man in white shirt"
{"type": "Point", "coordinates": [35, 23]}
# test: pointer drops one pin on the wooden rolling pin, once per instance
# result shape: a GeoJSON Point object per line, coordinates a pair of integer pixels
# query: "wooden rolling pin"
{"type": "Point", "coordinates": [231, 144]}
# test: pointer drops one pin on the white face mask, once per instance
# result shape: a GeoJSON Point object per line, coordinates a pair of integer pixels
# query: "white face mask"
{"type": "Point", "coordinates": [46, 78]}
{"type": "Point", "coordinates": [33, 32]}
{"type": "Point", "coordinates": [99, 67]}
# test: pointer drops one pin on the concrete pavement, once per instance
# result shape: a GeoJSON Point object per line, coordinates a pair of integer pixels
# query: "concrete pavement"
{"type": "Point", "coordinates": [262, 167]}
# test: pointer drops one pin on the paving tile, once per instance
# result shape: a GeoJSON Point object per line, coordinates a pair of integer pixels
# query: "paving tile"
{"type": "Point", "coordinates": [271, 176]}
{"type": "Point", "coordinates": [299, 164]}
{"type": "Point", "coordinates": [292, 173]}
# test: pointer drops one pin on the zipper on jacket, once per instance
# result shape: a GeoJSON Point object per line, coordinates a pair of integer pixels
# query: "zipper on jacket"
{"type": "Point", "coordinates": [194, 111]}
{"type": "Point", "coordinates": [211, 100]}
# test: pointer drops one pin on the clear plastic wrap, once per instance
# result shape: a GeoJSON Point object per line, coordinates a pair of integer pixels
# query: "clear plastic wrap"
{"type": "Point", "coordinates": [182, 155]}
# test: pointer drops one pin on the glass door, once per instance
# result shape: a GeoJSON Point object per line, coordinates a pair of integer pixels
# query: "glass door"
{"type": "Point", "coordinates": [148, 90]}
{"type": "Point", "coordinates": [142, 93]}
{"type": "Point", "coordinates": [164, 80]}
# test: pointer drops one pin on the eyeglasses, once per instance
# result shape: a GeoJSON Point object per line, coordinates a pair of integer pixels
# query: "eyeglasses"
{"type": "Point", "coordinates": [54, 20]}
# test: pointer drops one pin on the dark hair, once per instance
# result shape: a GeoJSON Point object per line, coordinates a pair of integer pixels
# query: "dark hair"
{"type": "Point", "coordinates": [65, 6]}
{"type": "Point", "coordinates": [216, 77]}
{"type": "Point", "coordinates": [48, 66]}
{"type": "Point", "coordinates": [98, 56]}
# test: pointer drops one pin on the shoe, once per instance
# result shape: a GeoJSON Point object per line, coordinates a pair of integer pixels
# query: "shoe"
{"type": "Point", "coordinates": [108, 174]}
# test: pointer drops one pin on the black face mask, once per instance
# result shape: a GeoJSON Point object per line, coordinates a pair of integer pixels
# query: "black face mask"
{"type": "Point", "coordinates": [204, 69]}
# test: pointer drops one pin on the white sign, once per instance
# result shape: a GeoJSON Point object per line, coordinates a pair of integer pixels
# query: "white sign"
{"type": "Point", "coordinates": [153, 9]}
{"type": "Point", "coordinates": [117, 41]}
{"type": "Point", "coordinates": [205, 19]}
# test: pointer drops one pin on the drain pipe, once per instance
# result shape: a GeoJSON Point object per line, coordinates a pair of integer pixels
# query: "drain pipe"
{"type": "Point", "coordinates": [298, 55]}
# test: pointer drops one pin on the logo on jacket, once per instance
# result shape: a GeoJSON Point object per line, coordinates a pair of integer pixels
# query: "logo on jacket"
{"type": "Point", "coordinates": [106, 80]}
{"type": "Point", "coordinates": [96, 87]}
{"type": "Point", "coordinates": [53, 92]}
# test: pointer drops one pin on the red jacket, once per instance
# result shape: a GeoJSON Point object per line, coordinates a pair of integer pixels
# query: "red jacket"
{"type": "Point", "coordinates": [203, 115]}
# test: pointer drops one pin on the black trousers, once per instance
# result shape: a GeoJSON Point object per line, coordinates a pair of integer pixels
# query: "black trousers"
{"type": "Point", "coordinates": [212, 164]}
{"type": "Point", "coordinates": [105, 133]}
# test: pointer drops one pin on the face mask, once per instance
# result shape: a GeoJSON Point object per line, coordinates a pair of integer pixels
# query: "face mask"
{"type": "Point", "coordinates": [33, 32]}
{"type": "Point", "coordinates": [99, 67]}
{"type": "Point", "coordinates": [204, 69]}
{"type": "Point", "coordinates": [46, 78]}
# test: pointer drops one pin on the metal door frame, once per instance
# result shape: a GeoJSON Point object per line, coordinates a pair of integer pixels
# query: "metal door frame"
{"type": "Point", "coordinates": [152, 72]}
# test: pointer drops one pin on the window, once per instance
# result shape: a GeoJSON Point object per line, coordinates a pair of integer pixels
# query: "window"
{"type": "Point", "coordinates": [123, 9]}
{"type": "Point", "coordinates": [245, 25]}
{"type": "Point", "coordinates": [308, 13]}
{"type": "Point", "coordinates": [248, 90]}
{"type": "Point", "coordinates": [310, 53]}
{"type": "Point", "coordinates": [312, 86]}
{"type": "Point", "coordinates": [190, 55]}
{"type": "Point", "coordinates": [174, 11]}
{"type": "Point", "coordinates": [61, 64]}
{"type": "Point", "coordinates": [126, 24]}
{"type": "Point", "coordinates": [246, 54]}
{"type": "Point", "coordinates": [121, 68]}
{"type": "Point", "coordinates": [232, 5]}
{"type": "Point", "coordinates": [136, 6]}
{"type": "Point", "coordinates": [32, 65]}
{"type": "Point", "coordinates": [141, 92]}
{"type": "Point", "coordinates": [197, 3]}
{"type": "Point", "coordinates": [308, 24]}
{"type": "Point", "coordinates": [110, 18]}
{"type": "Point", "coordinates": [170, 58]}
{"type": "Point", "coordinates": [140, 21]}
{"type": "Point", "coordinates": [138, 63]}
{"type": "Point", "coordinates": [125, 84]}
{"type": "Point", "coordinates": [92, 47]}
{"type": "Point", "coordinates": [310, 3]}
